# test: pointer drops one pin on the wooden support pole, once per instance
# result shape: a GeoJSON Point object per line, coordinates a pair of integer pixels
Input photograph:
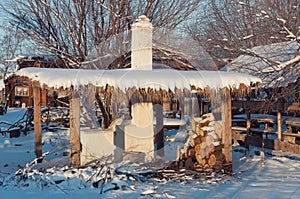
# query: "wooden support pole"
{"type": "Point", "coordinates": [248, 121]}
{"type": "Point", "coordinates": [37, 118]}
{"type": "Point", "coordinates": [43, 97]}
{"type": "Point", "coordinates": [75, 131]}
{"type": "Point", "coordinates": [279, 126]}
{"type": "Point", "coordinates": [226, 119]}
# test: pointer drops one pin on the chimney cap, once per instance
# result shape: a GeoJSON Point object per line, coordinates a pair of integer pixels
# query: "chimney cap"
{"type": "Point", "coordinates": [142, 21]}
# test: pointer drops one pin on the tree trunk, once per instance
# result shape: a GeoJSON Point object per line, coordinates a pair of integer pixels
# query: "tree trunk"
{"type": "Point", "coordinates": [106, 120]}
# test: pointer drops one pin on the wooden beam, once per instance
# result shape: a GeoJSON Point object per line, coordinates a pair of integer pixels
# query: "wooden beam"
{"type": "Point", "coordinates": [37, 118]}
{"type": "Point", "coordinates": [226, 120]}
{"type": "Point", "coordinates": [75, 131]}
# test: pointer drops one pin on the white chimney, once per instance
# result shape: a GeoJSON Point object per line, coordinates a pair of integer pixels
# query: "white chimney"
{"type": "Point", "coordinates": [141, 46]}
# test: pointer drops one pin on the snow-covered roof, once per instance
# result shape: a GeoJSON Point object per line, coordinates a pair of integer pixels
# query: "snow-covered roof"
{"type": "Point", "coordinates": [16, 58]}
{"type": "Point", "coordinates": [124, 79]}
{"type": "Point", "coordinates": [271, 63]}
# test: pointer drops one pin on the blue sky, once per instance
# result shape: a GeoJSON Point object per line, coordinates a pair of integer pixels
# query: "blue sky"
{"type": "Point", "coordinates": [2, 14]}
{"type": "Point", "coordinates": [3, 17]}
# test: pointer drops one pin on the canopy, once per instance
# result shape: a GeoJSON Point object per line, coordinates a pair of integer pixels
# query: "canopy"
{"type": "Point", "coordinates": [124, 79]}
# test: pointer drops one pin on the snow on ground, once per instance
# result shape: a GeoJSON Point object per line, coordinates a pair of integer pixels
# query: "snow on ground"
{"type": "Point", "coordinates": [255, 175]}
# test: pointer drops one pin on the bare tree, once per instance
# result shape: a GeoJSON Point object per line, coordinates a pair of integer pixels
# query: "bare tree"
{"type": "Point", "coordinates": [72, 29]}
{"type": "Point", "coordinates": [265, 34]}
{"type": "Point", "coordinates": [11, 45]}
{"type": "Point", "coordinates": [225, 27]}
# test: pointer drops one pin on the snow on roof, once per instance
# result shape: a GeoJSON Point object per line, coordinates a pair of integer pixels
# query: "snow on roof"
{"type": "Point", "coordinates": [16, 58]}
{"type": "Point", "coordinates": [124, 79]}
{"type": "Point", "coordinates": [277, 56]}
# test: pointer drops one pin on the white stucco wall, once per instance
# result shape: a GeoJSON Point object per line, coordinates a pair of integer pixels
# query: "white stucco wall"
{"type": "Point", "coordinates": [139, 134]}
{"type": "Point", "coordinates": [96, 143]}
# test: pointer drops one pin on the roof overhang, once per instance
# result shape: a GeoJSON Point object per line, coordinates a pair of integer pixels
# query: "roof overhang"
{"type": "Point", "coordinates": [124, 79]}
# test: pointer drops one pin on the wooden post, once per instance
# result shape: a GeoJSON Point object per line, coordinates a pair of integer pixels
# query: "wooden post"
{"type": "Point", "coordinates": [43, 97]}
{"type": "Point", "coordinates": [75, 131]}
{"type": "Point", "coordinates": [37, 118]}
{"type": "Point", "coordinates": [279, 125]}
{"type": "Point", "coordinates": [226, 119]}
{"type": "Point", "coordinates": [248, 122]}
{"type": "Point", "coordinates": [91, 95]}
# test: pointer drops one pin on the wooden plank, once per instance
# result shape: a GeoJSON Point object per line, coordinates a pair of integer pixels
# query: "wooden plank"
{"type": "Point", "coordinates": [294, 121]}
{"type": "Point", "coordinates": [37, 119]}
{"type": "Point", "coordinates": [290, 137]}
{"type": "Point", "coordinates": [292, 134]}
{"type": "Point", "coordinates": [75, 131]}
{"type": "Point", "coordinates": [262, 107]}
{"type": "Point", "coordinates": [261, 131]}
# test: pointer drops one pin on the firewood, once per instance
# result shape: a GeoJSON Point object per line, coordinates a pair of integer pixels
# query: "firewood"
{"type": "Point", "coordinates": [204, 123]}
{"type": "Point", "coordinates": [208, 115]}
{"type": "Point", "coordinates": [197, 148]}
{"type": "Point", "coordinates": [206, 166]}
{"type": "Point", "coordinates": [211, 148]}
{"type": "Point", "coordinates": [195, 122]}
{"type": "Point", "coordinates": [200, 132]}
{"type": "Point", "coordinates": [198, 168]}
{"type": "Point", "coordinates": [201, 161]}
{"type": "Point", "coordinates": [191, 142]}
{"type": "Point", "coordinates": [191, 133]}
{"type": "Point", "coordinates": [202, 152]}
{"type": "Point", "coordinates": [209, 140]}
{"type": "Point", "coordinates": [214, 135]}
{"type": "Point", "coordinates": [207, 153]}
{"type": "Point", "coordinates": [191, 152]}
{"type": "Point", "coordinates": [185, 151]}
{"type": "Point", "coordinates": [203, 145]}
{"type": "Point", "coordinates": [197, 140]}
{"type": "Point", "coordinates": [198, 158]}
{"type": "Point", "coordinates": [218, 129]}
{"type": "Point", "coordinates": [212, 160]}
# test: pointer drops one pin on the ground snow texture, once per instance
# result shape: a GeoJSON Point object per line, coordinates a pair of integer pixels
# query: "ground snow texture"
{"type": "Point", "coordinates": [258, 174]}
